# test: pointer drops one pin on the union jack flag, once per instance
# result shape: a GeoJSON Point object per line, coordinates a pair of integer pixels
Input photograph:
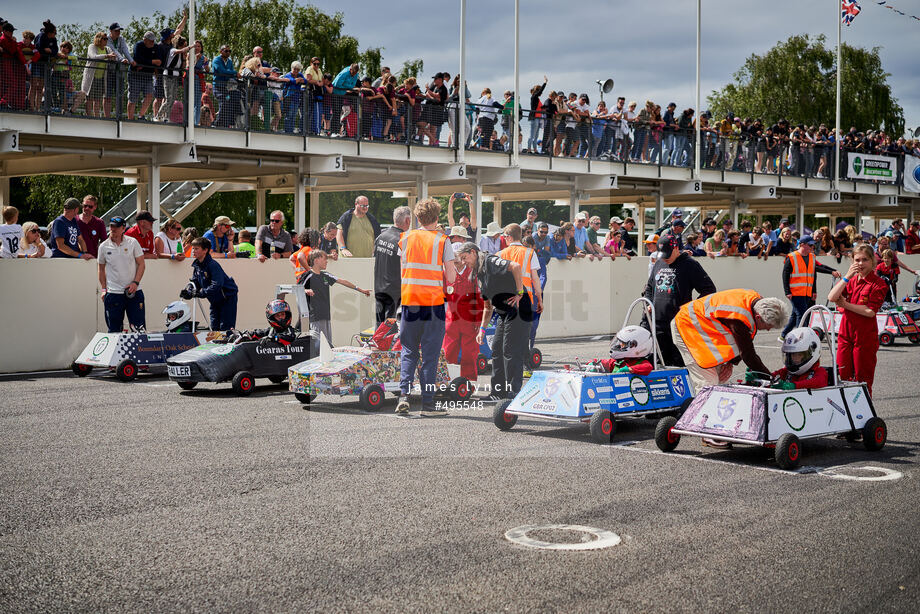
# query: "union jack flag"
{"type": "Point", "coordinates": [849, 11]}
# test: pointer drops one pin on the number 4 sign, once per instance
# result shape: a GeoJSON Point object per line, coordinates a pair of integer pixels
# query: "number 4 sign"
{"type": "Point", "coordinates": [183, 153]}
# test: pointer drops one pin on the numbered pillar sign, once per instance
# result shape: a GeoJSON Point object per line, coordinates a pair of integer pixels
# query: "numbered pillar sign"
{"type": "Point", "coordinates": [697, 187]}
{"type": "Point", "coordinates": [833, 196]}
{"type": "Point", "coordinates": [892, 201]}
{"type": "Point", "coordinates": [461, 171]}
{"type": "Point", "coordinates": [9, 142]}
{"type": "Point", "coordinates": [613, 182]}
{"type": "Point", "coordinates": [771, 192]}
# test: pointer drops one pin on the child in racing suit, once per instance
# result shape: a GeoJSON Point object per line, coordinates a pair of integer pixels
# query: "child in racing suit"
{"type": "Point", "coordinates": [801, 354]}
{"type": "Point", "coordinates": [629, 352]}
{"type": "Point", "coordinates": [278, 314]}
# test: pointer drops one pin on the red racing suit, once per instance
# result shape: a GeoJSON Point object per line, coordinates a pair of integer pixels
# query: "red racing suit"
{"type": "Point", "coordinates": [637, 366]}
{"type": "Point", "coordinates": [857, 342]}
{"type": "Point", "coordinates": [464, 306]}
{"type": "Point", "coordinates": [816, 377]}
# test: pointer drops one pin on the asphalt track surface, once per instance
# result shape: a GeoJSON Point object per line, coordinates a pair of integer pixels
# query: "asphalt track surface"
{"type": "Point", "coordinates": [136, 497]}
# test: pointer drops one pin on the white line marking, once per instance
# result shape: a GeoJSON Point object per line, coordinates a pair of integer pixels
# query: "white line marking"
{"type": "Point", "coordinates": [604, 539]}
{"type": "Point", "coordinates": [885, 473]}
{"type": "Point", "coordinates": [155, 385]}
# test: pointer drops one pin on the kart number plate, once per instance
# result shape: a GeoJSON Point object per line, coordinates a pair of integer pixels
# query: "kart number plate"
{"type": "Point", "coordinates": [180, 371]}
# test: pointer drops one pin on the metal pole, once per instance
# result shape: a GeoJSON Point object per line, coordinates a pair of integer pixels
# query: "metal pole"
{"type": "Point", "coordinates": [699, 112]}
{"type": "Point", "coordinates": [190, 71]}
{"type": "Point", "coordinates": [837, 121]}
{"type": "Point", "coordinates": [515, 154]}
{"type": "Point", "coordinates": [461, 88]}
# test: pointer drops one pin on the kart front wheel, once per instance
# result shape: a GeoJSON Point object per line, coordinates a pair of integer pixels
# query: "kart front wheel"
{"type": "Point", "coordinates": [875, 434]}
{"type": "Point", "coordinates": [602, 426]}
{"type": "Point", "coordinates": [187, 385]}
{"type": "Point", "coordinates": [534, 359]}
{"type": "Point", "coordinates": [126, 370]}
{"type": "Point", "coordinates": [304, 398]}
{"type": "Point", "coordinates": [915, 339]}
{"type": "Point", "coordinates": [482, 364]}
{"type": "Point", "coordinates": [276, 379]}
{"type": "Point", "coordinates": [788, 451]}
{"type": "Point", "coordinates": [665, 438]}
{"type": "Point", "coordinates": [243, 383]}
{"type": "Point", "coordinates": [461, 389]}
{"type": "Point", "coordinates": [886, 339]}
{"type": "Point", "coordinates": [502, 419]}
{"type": "Point", "coordinates": [80, 370]}
{"type": "Point", "coordinates": [372, 397]}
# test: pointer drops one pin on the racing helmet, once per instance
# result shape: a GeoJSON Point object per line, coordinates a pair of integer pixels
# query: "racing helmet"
{"type": "Point", "coordinates": [278, 314]}
{"type": "Point", "coordinates": [177, 314]}
{"type": "Point", "coordinates": [801, 350]}
{"type": "Point", "coordinates": [631, 342]}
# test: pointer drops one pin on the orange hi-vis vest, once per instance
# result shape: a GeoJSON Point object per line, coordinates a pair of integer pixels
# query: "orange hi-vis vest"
{"type": "Point", "coordinates": [710, 342]}
{"type": "Point", "coordinates": [522, 255]}
{"type": "Point", "coordinates": [802, 279]}
{"type": "Point", "coordinates": [423, 267]}
{"type": "Point", "coordinates": [298, 269]}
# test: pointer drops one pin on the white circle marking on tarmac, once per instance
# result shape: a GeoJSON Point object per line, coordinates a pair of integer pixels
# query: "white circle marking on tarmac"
{"type": "Point", "coordinates": [883, 474]}
{"type": "Point", "coordinates": [604, 539]}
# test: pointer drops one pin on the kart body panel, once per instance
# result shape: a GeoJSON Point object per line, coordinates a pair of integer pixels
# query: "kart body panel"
{"type": "Point", "coordinates": [219, 362]}
{"type": "Point", "coordinates": [145, 349]}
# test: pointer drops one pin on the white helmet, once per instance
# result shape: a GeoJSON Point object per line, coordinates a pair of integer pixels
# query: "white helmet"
{"type": "Point", "coordinates": [631, 342]}
{"type": "Point", "coordinates": [801, 350]}
{"type": "Point", "coordinates": [177, 314]}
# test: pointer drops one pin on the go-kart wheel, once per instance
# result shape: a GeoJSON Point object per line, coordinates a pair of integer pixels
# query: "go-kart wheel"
{"type": "Point", "coordinates": [875, 434]}
{"type": "Point", "coordinates": [372, 397]}
{"type": "Point", "coordinates": [602, 426]}
{"type": "Point", "coordinates": [461, 389]}
{"type": "Point", "coordinates": [683, 407]}
{"type": "Point", "coordinates": [915, 339]}
{"type": "Point", "coordinates": [187, 385]}
{"type": "Point", "coordinates": [80, 370]}
{"type": "Point", "coordinates": [243, 383]}
{"type": "Point", "coordinates": [126, 370]}
{"type": "Point", "coordinates": [534, 359]}
{"type": "Point", "coordinates": [482, 364]}
{"type": "Point", "coordinates": [304, 398]}
{"type": "Point", "coordinates": [788, 451]}
{"type": "Point", "coordinates": [665, 439]}
{"type": "Point", "coordinates": [886, 339]}
{"type": "Point", "coordinates": [502, 419]}
{"type": "Point", "coordinates": [276, 379]}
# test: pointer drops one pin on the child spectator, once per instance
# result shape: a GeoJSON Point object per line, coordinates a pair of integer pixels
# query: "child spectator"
{"type": "Point", "coordinates": [10, 233]}
{"type": "Point", "coordinates": [715, 244]}
{"type": "Point", "coordinates": [755, 245]}
{"type": "Point", "coordinates": [693, 245]}
{"type": "Point", "coordinates": [801, 355]}
{"type": "Point", "coordinates": [630, 349]}
{"type": "Point", "coordinates": [615, 247]}
{"type": "Point", "coordinates": [651, 247]}
{"type": "Point", "coordinates": [245, 248]}
{"type": "Point", "coordinates": [317, 283]}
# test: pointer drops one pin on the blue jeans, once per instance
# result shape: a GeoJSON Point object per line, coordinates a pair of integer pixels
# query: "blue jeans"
{"type": "Point", "coordinates": [116, 305]}
{"type": "Point", "coordinates": [800, 305]}
{"type": "Point", "coordinates": [421, 333]}
{"type": "Point", "coordinates": [680, 145]}
{"type": "Point", "coordinates": [291, 107]}
{"type": "Point", "coordinates": [536, 131]}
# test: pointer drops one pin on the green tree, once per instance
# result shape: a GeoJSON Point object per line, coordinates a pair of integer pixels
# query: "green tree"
{"type": "Point", "coordinates": [410, 68]}
{"type": "Point", "coordinates": [796, 80]}
{"type": "Point", "coordinates": [45, 194]}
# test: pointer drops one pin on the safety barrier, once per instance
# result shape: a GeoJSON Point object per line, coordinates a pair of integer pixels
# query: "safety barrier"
{"type": "Point", "coordinates": [53, 306]}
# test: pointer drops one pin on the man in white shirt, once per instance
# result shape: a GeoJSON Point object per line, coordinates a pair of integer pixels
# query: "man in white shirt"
{"type": "Point", "coordinates": [121, 267]}
{"type": "Point", "coordinates": [10, 233]}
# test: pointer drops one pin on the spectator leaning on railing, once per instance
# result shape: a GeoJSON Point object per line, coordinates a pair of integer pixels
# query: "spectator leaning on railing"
{"type": "Point", "coordinates": [357, 230]}
{"type": "Point", "coordinates": [220, 238]}
{"type": "Point", "coordinates": [65, 239]}
{"type": "Point", "coordinates": [272, 240]}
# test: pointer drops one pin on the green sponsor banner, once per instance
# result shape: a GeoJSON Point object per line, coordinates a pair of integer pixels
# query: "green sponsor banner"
{"type": "Point", "coordinates": [870, 166]}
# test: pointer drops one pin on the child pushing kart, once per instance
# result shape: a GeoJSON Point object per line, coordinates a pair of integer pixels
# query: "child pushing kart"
{"type": "Point", "coordinates": [630, 349]}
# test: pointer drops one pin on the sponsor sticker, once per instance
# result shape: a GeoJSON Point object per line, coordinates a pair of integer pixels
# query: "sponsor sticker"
{"type": "Point", "coordinates": [222, 350]}
{"type": "Point", "coordinates": [639, 391]}
{"type": "Point", "coordinates": [100, 346]}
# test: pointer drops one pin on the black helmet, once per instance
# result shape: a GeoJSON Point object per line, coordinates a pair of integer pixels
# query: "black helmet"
{"type": "Point", "coordinates": [278, 313]}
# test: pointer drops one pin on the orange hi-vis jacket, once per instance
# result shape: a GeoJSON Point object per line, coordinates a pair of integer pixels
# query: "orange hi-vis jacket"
{"type": "Point", "coordinates": [710, 342]}
{"type": "Point", "coordinates": [423, 268]}
{"type": "Point", "coordinates": [802, 278]}
{"type": "Point", "coordinates": [522, 255]}
{"type": "Point", "coordinates": [298, 269]}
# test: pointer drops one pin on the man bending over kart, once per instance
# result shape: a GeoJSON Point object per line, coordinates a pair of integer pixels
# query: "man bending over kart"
{"type": "Point", "coordinates": [629, 352]}
{"type": "Point", "coordinates": [212, 283]}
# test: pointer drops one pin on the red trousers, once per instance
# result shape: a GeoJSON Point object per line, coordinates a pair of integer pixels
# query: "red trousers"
{"type": "Point", "coordinates": [857, 352]}
{"type": "Point", "coordinates": [460, 346]}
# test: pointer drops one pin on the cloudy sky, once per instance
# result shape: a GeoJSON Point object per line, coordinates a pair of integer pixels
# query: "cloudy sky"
{"type": "Point", "coordinates": [648, 48]}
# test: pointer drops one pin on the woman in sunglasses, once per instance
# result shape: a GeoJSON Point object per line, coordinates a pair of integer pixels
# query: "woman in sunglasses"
{"type": "Point", "coordinates": [168, 242]}
{"type": "Point", "coordinates": [32, 245]}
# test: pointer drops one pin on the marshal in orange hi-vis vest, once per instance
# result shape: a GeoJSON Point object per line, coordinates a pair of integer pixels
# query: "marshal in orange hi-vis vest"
{"type": "Point", "coordinates": [710, 342]}
{"type": "Point", "coordinates": [803, 275]}
{"type": "Point", "coordinates": [522, 255]}
{"type": "Point", "coordinates": [298, 269]}
{"type": "Point", "coordinates": [422, 271]}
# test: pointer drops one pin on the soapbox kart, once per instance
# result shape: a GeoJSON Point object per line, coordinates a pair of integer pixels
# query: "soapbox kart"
{"type": "Point", "coordinates": [599, 398]}
{"type": "Point", "coordinates": [893, 321]}
{"type": "Point", "coordinates": [241, 360]}
{"type": "Point", "coordinates": [369, 371]}
{"type": "Point", "coordinates": [759, 415]}
{"type": "Point", "coordinates": [126, 353]}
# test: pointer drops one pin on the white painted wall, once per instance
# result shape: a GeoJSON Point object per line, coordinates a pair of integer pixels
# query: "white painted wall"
{"type": "Point", "coordinates": [51, 308]}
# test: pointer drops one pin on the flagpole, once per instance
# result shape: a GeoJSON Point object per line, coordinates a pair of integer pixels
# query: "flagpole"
{"type": "Point", "coordinates": [699, 112]}
{"type": "Point", "coordinates": [839, 18]}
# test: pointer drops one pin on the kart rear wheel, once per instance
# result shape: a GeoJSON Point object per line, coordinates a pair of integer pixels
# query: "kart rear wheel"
{"type": "Point", "coordinates": [276, 379]}
{"type": "Point", "coordinates": [915, 339]}
{"type": "Point", "coordinates": [80, 370]}
{"type": "Point", "coordinates": [875, 434]}
{"type": "Point", "coordinates": [886, 339]}
{"type": "Point", "coordinates": [788, 451]}
{"type": "Point", "coordinates": [304, 398]}
{"type": "Point", "coordinates": [187, 385]}
{"type": "Point", "coordinates": [665, 439]}
{"type": "Point", "coordinates": [603, 427]}
{"type": "Point", "coordinates": [534, 359]}
{"type": "Point", "coordinates": [482, 364]}
{"type": "Point", "coordinates": [503, 420]}
{"type": "Point", "coordinates": [461, 389]}
{"type": "Point", "coordinates": [243, 383]}
{"type": "Point", "coordinates": [372, 397]}
{"type": "Point", "coordinates": [126, 370]}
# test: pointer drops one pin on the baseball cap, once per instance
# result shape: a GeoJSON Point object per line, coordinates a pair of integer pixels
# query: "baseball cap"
{"type": "Point", "coordinates": [115, 26]}
{"type": "Point", "coordinates": [223, 219]}
{"type": "Point", "coordinates": [785, 220]}
{"type": "Point", "coordinates": [667, 244]}
{"type": "Point", "coordinates": [71, 203]}
{"type": "Point", "coordinates": [677, 211]}
{"type": "Point", "coordinates": [728, 221]}
{"type": "Point", "coordinates": [459, 231]}
{"type": "Point", "coordinates": [680, 223]}
{"type": "Point", "coordinates": [652, 238]}
{"type": "Point", "coordinates": [275, 69]}
{"type": "Point", "coordinates": [807, 240]}
{"type": "Point", "coordinates": [118, 221]}
{"type": "Point", "coordinates": [672, 105]}
{"type": "Point", "coordinates": [615, 220]}
{"type": "Point", "coordinates": [708, 221]}
{"type": "Point", "coordinates": [150, 36]}
{"type": "Point", "coordinates": [532, 210]}
{"type": "Point", "coordinates": [144, 216]}
{"type": "Point", "coordinates": [165, 33]}
{"type": "Point", "coordinates": [7, 26]}
{"type": "Point", "coordinates": [581, 215]}
{"type": "Point", "coordinates": [493, 229]}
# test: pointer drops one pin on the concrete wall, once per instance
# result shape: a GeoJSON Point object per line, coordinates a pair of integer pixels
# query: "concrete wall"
{"type": "Point", "coordinates": [51, 308]}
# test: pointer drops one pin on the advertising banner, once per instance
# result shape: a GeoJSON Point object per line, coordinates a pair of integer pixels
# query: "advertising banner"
{"type": "Point", "coordinates": [912, 173]}
{"type": "Point", "coordinates": [869, 166]}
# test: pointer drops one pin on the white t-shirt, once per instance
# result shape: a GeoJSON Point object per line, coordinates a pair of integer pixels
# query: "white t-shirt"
{"type": "Point", "coordinates": [120, 263]}
{"type": "Point", "coordinates": [571, 121]}
{"type": "Point", "coordinates": [170, 246]}
{"type": "Point", "coordinates": [33, 249]}
{"type": "Point", "coordinates": [10, 238]}
{"type": "Point", "coordinates": [652, 258]}
{"type": "Point", "coordinates": [485, 108]}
